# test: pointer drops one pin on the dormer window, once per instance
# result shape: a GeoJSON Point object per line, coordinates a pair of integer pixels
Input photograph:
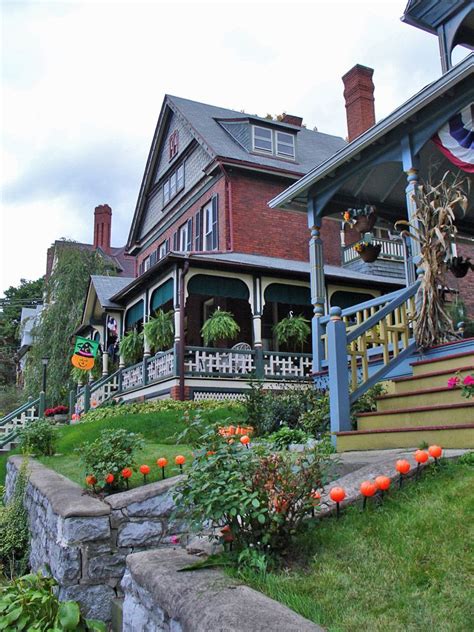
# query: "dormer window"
{"type": "Point", "coordinates": [274, 142]}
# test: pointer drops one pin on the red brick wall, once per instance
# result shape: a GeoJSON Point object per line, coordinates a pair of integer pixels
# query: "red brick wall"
{"type": "Point", "coordinates": [465, 286]}
{"type": "Point", "coordinates": [220, 189]}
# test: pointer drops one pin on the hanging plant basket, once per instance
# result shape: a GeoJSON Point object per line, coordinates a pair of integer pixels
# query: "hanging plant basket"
{"type": "Point", "coordinates": [365, 223]}
{"type": "Point", "coordinates": [369, 252]}
{"type": "Point", "coordinates": [459, 266]}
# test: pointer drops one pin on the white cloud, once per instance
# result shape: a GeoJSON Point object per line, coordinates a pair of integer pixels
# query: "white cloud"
{"type": "Point", "coordinates": [83, 84]}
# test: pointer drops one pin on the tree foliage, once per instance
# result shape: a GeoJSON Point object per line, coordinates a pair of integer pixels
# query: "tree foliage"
{"type": "Point", "coordinates": [65, 295]}
{"type": "Point", "coordinates": [27, 294]}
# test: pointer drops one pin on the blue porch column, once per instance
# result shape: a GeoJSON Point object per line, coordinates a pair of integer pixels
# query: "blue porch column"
{"type": "Point", "coordinates": [339, 402]}
{"type": "Point", "coordinates": [411, 168]}
{"type": "Point", "coordinates": [316, 262]}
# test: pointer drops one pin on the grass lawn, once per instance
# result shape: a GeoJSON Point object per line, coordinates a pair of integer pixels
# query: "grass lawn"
{"type": "Point", "coordinates": [158, 429]}
{"type": "Point", "coordinates": [405, 566]}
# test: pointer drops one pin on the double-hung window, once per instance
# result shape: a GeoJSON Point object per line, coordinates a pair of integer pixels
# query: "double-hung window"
{"type": "Point", "coordinates": [173, 185]}
{"type": "Point", "coordinates": [163, 249]}
{"type": "Point", "coordinates": [186, 236]}
{"type": "Point", "coordinates": [210, 225]}
{"type": "Point", "coordinates": [274, 142]}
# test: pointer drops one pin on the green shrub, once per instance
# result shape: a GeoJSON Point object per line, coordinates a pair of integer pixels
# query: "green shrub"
{"type": "Point", "coordinates": [367, 402]}
{"type": "Point", "coordinates": [11, 397]}
{"type": "Point", "coordinates": [14, 533]}
{"type": "Point", "coordinates": [467, 458]}
{"type": "Point", "coordinates": [112, 451]}
{"type": "Point", "coordinates": [164, 405]}
{"type": "Point", "coordinates": [262, 497]}
{"type": "Point", "coordinates": [286, 436]}
{"type": "Point", "coordinates": [39, 437]}
{"type": "Point", "coordinates": [254, 403]}
{"type": "Point", "coordinates": [316, 420]}
{"type": "Point", "coordinates": [286, 408]}
{"type": "Point", "coordinates": [30, 603]}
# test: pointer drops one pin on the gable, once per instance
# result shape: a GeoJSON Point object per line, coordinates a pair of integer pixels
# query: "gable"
{"type": "Point", "coordinates": [174, 124]}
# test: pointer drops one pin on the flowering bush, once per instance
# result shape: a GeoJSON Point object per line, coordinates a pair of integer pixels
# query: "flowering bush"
{"type": "Point", "coordinates": [256, 496]}
{"type": "Point", "coordinates": [109, 454]}
{"type": "Point", "coordinates": [467, 384]}
{"type": "Point", "coordinates": [57, 410]}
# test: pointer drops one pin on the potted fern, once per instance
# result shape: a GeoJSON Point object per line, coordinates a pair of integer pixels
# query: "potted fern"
{"type": "Point", "coordinates": [220, 327]}
{"type": "Point", "coordinates": [159, 331]}
{"type": "Point", "coordinates": [131, 347]}
{"type": "Point", "coordinates": [292, 331]}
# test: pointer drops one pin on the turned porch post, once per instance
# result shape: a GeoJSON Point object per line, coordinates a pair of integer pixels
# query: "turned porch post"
{"type": "Point", "coordinates": [411, 168]}
{"type": "Point", "coordinates": [316, 262]}
{"type": "Point", "coordinates": [105, 363]}
{"type": "Point", "coordinates": [257, 327]}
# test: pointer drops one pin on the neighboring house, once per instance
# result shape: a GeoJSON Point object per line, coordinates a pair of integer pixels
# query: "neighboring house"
{"type": "Point", "coordinates": [116, 257]}
{"type": "Point", "coordinates": [29, 319]}
{"type": "Point", "coordinates": [203, 237]}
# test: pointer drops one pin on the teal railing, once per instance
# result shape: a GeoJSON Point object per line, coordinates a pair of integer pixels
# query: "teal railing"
{"type": "Point", "coordinates": [11, 424]}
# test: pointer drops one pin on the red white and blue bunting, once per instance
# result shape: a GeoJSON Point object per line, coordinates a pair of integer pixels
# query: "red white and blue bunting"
{"type": "Point", "coordinates": [456, 139]}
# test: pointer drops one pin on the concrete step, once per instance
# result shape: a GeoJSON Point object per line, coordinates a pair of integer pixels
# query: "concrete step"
{"type": "Point", "coordinates": [452, 362]}
{"type": "Point", "coordinates": [455, 436]}
{"type": "Point", "coordinates": [440, 415]}
{"type": "Point", "coordinates": [429, 380]}
{"type": "Point", "coordinates": [422, 397]}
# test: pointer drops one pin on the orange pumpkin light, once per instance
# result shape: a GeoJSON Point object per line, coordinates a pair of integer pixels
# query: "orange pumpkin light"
{"type": "Point", "coordinates": [91, 480]}
{"type": "Point", "coordinates": [127, 472]}
{"type": "Point", "coordinates": [383, 483]}
{"type": "Point", "coordinates": [368, 489]}
{"type": "Point", "coordinates": [245, 440]}
{"type": "Point", "coordinates": [180, 459]}
{"type": "Point", "coordinates": [162, 462]}
{"type": "Point", "coordinates": [145, 469]}
{"type": "Point", "coordinates": [109, 478]}
{"type": "Point", "coordinates": [402, 466]}
{"type": "Point", "coordinates": [435, 451]}
{"type": "Point", "coordinates": [421, 456]}
{"type": "Point", "coordinates": [337, 494]}
{"type": "Point", "coordinates": [231, 430]}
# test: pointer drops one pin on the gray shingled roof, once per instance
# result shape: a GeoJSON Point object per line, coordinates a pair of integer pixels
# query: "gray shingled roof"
{"type": "Point", "coordinates": [106, 286]}
{"type": "Point", "coordinates": [287, 265]}
{"type": "Point", "coordinates": [312, 148]}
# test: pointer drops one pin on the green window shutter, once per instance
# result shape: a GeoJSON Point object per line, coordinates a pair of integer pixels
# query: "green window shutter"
{"type": "Point", "coordinates": [162, 295]}
{"type": "Point", "coordinates": [288, 294]}
{"type": "Point", "coordinates": [134, 314]}
{"type": "Point", "coordinates": [218, 286]}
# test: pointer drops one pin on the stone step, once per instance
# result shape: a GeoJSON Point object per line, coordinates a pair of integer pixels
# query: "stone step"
{"type": "Point", "coordinates": [429, 380]}
{"type": "Point", "coordinates": [453, 436]}
{"type": "Point", "coordinates": [423, 397]}
{"type": "Point", "coordinates": [440, 415]}
{"type": "Point", "coordinates": [452, 362]}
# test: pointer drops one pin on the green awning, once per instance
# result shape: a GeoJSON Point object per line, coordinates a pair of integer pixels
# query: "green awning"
{"type": "Point", "coordinates": [218, 286]}
{"type": "Point", "coordinates": [134, 314]}
{"type": "Point", "coordinates": [288, 294]}
{"type": "Point", "coordinates": [345, 299]}
{"type": "Point", "coordinates": [162, 295]}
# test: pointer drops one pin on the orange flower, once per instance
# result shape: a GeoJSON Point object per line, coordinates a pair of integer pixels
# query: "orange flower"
{"type": "Point", "coordinates": [315, 496]}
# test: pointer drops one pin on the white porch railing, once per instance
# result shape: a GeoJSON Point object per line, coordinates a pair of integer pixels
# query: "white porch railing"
{"type": "Point", "coordinates": [392, 250]}
{"type": "Point", "coordinates": [207, 361]}
{"type": "Point", "coordinates": [15, 421]}
{"type": "Point", "coordinates": [132, 376]}
{"type": "Point", "coordinates": [287, 365]}
{"type": "Point", "coordinates": [161, 365]}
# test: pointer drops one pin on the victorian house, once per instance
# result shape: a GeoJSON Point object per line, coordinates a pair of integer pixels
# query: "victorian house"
{"type": "Point", "coordinates": [203, 237]}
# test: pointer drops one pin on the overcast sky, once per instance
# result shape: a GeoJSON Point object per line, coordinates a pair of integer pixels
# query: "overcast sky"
{"type": "Point", "coordinates": [83, 82]}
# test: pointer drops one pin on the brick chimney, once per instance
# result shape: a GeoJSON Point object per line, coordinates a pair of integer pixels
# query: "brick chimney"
{"type": "Point", "coordinates": [102, 227]}
{"type": "Point", "coordinates": [359, 97]}
{"type": "Point", "coordinates": [292, 119]}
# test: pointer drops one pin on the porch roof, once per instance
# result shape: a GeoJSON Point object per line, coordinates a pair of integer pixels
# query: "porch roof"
{"type": "Point", "coordinates": [370, 167]}
{"type": "Point", "coordinates": [106, 286]}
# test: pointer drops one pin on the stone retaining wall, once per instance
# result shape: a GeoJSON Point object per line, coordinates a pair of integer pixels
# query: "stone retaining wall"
{"type": "Point", "coordinates": [158, 598]}
{"type": "Point", "coordinates": [84, 540]}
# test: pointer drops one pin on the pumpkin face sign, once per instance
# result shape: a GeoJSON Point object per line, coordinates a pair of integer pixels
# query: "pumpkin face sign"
{"type": "Point", "coordinates": [82, 362]}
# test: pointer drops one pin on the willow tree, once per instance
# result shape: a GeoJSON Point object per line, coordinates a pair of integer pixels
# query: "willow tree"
{"type": "Point", "coordinates": [65, 295]}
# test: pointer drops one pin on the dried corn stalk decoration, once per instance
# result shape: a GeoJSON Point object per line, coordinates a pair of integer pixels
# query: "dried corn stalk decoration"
{"type": "Point", "coordinates": [433, 226]}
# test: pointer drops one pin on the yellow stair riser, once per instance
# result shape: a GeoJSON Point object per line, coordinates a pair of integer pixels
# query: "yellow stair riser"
{"type": "Point", "coordinates": [408, 386]}
{"type": "Point", "coordinates": [405, 419]}
{"type": "Point", "coordinates": [443, 364]}
{"type": "Point", "coordinates": [423, 399]}
{"type": "Point", "coordinates": [456, 438]}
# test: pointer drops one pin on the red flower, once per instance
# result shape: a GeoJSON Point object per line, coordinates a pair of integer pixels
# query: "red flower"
{"type": "Point", "coordinates": [468, 380]}
{"type": "Point", "coordinates": [453, 382]}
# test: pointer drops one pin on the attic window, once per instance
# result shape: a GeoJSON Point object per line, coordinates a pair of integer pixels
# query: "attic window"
{"type": "Point", "coordinates": [174, 144]}
{"type": "Point", "coordinates": [268, 141]}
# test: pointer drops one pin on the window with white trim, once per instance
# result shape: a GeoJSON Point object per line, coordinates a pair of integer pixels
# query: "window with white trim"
{"type": "Point", "coordinates": [275, 142]}
{"type": "Point", "coordinates": [146, 264]}
{"type": "Point", "coordinates": [185, 236]}
{"type": "Point", "coordinates": [173, 185]}
{"type": "Point", "coordinates": [163, 249]}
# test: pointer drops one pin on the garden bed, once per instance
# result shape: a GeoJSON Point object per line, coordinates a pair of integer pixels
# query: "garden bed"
{"type": "Point", "coordinates": [403, 566]}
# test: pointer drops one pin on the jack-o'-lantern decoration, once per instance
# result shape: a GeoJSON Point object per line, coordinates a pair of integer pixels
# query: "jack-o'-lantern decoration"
{"type": "Point", "coordinates": [85, 351]}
